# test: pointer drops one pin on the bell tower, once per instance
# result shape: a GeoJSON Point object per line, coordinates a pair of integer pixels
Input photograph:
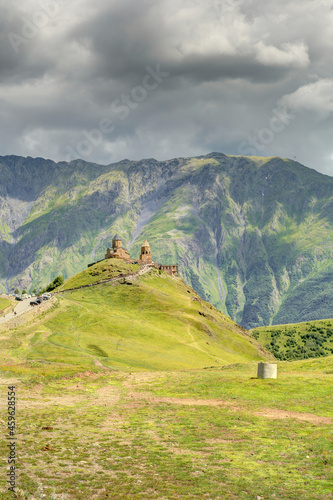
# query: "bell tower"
{"type": "Point", "coordinates": [145, 256]}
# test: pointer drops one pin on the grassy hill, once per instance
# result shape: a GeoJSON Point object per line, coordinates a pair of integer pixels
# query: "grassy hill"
{"type": "Point", "coordinates": [297, 341]}
{"type": "Point", "coordinates": [101, 271]}
{"type": "Point", "coordinates": [4, 303]}
{"type": "Point", "coordinates": [152, 322]}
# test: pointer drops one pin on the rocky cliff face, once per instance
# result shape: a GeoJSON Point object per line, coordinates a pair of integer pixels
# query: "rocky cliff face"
{"type": "Point", "coordinates": [252, 235]}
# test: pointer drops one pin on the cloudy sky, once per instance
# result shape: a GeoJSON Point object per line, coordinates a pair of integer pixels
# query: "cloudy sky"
{"type": "Point", "coordinates": [111, 79]}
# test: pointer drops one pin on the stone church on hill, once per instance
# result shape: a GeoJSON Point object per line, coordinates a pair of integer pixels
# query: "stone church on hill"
{"type": "Point", "coordinates": [118, 252]}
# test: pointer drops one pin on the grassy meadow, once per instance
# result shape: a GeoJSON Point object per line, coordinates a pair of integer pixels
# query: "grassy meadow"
{"type": "Point", "coordinates": [4, 304]}
{"type": "Point", "coordinates": [216, 434]}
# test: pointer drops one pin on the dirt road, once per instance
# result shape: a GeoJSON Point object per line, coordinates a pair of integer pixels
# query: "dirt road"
{"type": "Point", "coordinates": [21, 308]}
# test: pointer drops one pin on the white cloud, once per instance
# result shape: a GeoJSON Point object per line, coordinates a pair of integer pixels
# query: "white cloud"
{"type": "Point", "coordinates": [316, 97]}
{"type": "Point", "coordinates": [290, 54]}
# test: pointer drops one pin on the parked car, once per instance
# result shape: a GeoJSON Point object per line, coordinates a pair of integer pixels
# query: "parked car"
{"type": "Point", "coordinates": [18, 297]}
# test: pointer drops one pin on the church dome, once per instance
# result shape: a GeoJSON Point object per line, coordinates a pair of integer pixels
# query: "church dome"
{"type": "Point", "coordinates": [145, 244]}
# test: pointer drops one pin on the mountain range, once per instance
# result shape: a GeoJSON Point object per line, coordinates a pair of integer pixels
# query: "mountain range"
{"type": "Point", "coordinates": [251, 235]}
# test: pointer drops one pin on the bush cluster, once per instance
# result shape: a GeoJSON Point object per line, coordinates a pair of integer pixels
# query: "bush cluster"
{"type": "Point", "coordinates": [291, 344]}
{"type": "Point", "coordinates": [59, 280]}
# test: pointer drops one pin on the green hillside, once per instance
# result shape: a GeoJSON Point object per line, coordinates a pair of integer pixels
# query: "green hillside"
{"type": "Point", "coordinates": [253, 236]}
{"type": "Point", "coordinates": [104, 270]}
{"type": "Point", "coordinates": [152, 322]}
{"type": "Point", "coordinates": [297, 341]}
{"type": "Point", "coordinates": [4, 303]}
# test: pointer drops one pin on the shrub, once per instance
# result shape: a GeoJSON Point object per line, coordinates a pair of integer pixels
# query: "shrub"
{"type": "Point", "coordinates": [59, 280]}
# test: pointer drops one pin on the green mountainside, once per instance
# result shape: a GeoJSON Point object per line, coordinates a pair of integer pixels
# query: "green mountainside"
{"type": "Point", "coordinates": [147, 322]}
{"type": "Point", "coordinates": [251, 235]}
{"type": "Point", "coordinates": [297, 341]}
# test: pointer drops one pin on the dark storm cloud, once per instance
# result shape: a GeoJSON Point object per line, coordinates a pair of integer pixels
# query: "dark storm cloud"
{"type": "Point", "coordinates": [107, 80]}
{"type": "Point", "coordinates": [14, 65]}
{"type": "Point", "coordinates": [128, 36]}
{"type": "Point", "coordinates": [201, 68]}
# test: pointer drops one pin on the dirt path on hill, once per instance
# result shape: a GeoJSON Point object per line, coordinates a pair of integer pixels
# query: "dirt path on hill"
{"type": "Point", "coordinates": [281, 414]}
{"type": "Point", "coordinates": [196, 346]}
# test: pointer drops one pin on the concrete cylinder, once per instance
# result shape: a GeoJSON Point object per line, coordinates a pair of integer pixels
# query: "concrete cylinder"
{"type": "Point", "coordinates": [267, 370]}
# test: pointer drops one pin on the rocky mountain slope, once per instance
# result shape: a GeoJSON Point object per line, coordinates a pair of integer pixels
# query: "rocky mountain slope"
{"type": "Point", "coordinates": [252, 235]}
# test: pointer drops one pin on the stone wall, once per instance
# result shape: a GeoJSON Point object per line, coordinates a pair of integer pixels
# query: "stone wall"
{"type": "Point", "coordinates": [173, 270]}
